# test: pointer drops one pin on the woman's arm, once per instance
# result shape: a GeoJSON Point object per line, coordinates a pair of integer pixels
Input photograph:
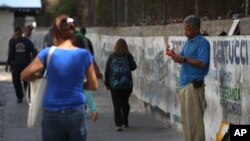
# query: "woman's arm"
{"type": "Point", "coordinates": [31, 71]}
{"type": "Point", "coordinates": [90, 101]}
{"type": "Point", "coordinates": [91, 105]}
{"type": "Point", "coordinates": [132, 63]}
{"type": "Point", "coordinates": [106, 73]}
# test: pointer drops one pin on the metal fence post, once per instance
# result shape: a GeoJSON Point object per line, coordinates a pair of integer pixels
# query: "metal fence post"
{"type": "Point", "coordinates": [113, 12]}
{"type": "Point", "coordinates": [142, 11]}
{"type": "Point", "coordinates": [126, 12]}
{"type": "Point", "coordinates": [247, 8]}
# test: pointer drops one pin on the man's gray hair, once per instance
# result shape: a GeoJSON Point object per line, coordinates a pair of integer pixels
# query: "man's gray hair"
{"type": "Point", "coordinates": [193, 20]}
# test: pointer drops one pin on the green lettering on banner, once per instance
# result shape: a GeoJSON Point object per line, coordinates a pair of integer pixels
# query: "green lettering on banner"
{"type": "Point", "coordinates": [231, 107]}
{"type": "Point", "coordinates": [229, 93]}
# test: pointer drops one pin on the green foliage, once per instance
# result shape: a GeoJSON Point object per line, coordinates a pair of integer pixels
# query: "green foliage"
{"type": "Point", "coordinates": [67, 7]}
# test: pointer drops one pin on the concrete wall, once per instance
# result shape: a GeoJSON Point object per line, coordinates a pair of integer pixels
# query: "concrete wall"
{"type": "Point", "coordinates": [156, 78]}
{"type": "Point", "coordinates": [6, 32]}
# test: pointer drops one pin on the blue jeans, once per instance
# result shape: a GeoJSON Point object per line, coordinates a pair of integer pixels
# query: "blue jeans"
{"type": "Point", "coordinates": [65, 125]}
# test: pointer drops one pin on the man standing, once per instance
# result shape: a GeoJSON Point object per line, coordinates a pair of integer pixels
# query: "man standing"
{"type": "Point", "coordinates": [21, 52]}
{"type": "Point", "coordinates": [194, 59]}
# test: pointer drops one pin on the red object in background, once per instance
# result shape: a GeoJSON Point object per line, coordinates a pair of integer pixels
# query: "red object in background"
{"type": "Point", "coordinates": [170, 52]}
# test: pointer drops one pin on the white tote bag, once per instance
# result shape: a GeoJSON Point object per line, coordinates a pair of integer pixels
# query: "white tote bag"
{"type": "Point", "coordinates": [37, 89]}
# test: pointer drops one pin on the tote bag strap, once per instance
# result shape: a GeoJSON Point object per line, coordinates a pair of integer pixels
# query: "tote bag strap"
{"type": "Point", "coordinates": [51, 50]}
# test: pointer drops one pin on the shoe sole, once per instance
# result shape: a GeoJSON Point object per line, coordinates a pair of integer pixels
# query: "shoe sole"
{"type": "Point", "coordinates": [118, 129]}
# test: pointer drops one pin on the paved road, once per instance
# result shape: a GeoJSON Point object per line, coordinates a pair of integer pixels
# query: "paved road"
{"type": "Point", "coordinates": [142, 127]}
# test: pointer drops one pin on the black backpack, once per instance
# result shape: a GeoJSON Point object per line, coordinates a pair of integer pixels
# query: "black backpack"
{"type": "Point", "coordinates": [120, 73]}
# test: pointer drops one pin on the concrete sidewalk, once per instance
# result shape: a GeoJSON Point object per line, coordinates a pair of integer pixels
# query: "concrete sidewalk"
{"type": "Point", "coordinates": [143, 127]}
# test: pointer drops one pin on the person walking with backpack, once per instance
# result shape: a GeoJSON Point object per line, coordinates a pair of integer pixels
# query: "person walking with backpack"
{"type": "Point", "coordinates": [118, 79]}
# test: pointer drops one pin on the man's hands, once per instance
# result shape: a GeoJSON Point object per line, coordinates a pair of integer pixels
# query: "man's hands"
{"type": "Point", "coordinates": [170, 52]}
{"type": "Point", "coordinates": [177, 58]}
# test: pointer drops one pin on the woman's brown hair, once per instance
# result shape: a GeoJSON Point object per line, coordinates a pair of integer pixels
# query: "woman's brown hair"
{"type": "Point", "coordinates": [63, 28]}
{"type": "Point", "coordinates": [121, 47]}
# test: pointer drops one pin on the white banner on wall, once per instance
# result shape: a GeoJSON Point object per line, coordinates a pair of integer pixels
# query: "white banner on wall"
{"type": "Point", "coordinates": [153, 45]}
{"type": "Point", "coordinates": [227, 84]}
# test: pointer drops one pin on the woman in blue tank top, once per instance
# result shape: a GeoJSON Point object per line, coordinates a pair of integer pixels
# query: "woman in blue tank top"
{"type": "Point", "coordinates": [64, 116]}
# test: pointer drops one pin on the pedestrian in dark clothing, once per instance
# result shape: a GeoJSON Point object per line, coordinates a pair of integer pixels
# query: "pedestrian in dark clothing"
{"type": "Point", "coordinates": [17, 32]}
{"type": "Point", "coordinates": [29, 33]}
{"type": "Point", "coordinates": [81, 39]}
{"type": "Point", "coordinates": [48, 39]}
{"type": "Point", "coordinates": [20, 53]}
{"type": "Point", "coordinates": [120, 94]}
{"type": "Point", "coordinates": [83, 42]}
